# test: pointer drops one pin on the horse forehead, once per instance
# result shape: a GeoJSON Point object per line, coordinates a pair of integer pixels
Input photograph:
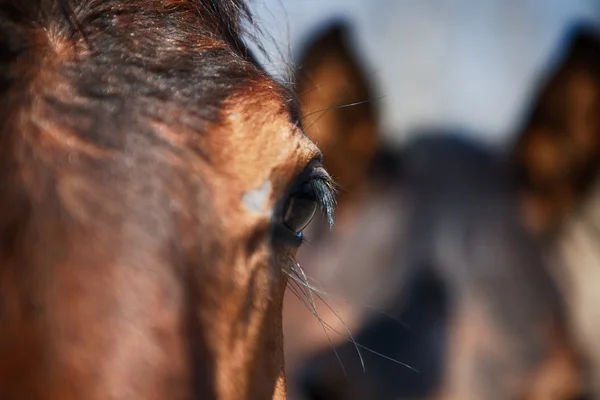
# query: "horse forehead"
{"type": "Point", "coordinates": [257, 142]}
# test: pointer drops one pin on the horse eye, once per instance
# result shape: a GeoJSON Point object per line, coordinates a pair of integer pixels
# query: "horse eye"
{"type": "Point", "coordinates": [300, 208]}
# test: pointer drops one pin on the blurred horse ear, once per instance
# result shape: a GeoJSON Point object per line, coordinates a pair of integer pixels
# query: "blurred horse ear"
{"type": "Point", "coordinates": [339, 112]}
{"type": "Point", "coordinates": [558, 150]}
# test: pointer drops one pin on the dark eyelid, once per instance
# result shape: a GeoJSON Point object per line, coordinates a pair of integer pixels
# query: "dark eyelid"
{"type": "Point", "coordinates": [313, 170]}
{"type": "Point", "coordinates": [320, 173]}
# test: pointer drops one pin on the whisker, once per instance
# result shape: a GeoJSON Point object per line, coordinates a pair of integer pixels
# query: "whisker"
{"type": "Point", "coordinates": [315, 87]}
{"type": "Point", "coordinates": [314, 311]}
{"type": "Point", "coordinates": [322, 85]}
{"type": "Point", "coordinates": [348, 338]}
{"type": "Point", "coordinates": [324, 112]}
{"type": "Point", "coordinates": [322, 323]}
{"type": "Point", "coordinates": [309, 289]}
{"type": "Point", "coordinates": [386, 357]}
{"type": "Point", "coordinates": [358, 103]}
{"type": "Point", "coordinates": [338, 316]}
{"type": "Point", "coordinates": [322, 291]}
{"type": "Point", "coordinates": [338, 99]}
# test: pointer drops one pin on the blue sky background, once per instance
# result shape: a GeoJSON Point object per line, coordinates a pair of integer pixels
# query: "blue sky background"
{"type": "Point", "coordinates": [465, 63]}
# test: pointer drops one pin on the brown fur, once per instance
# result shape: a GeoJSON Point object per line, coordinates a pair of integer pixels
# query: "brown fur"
{"type": "Point", "coordinates": [559, 153]}
{"type": "Point", "coordinates": [129, 265]}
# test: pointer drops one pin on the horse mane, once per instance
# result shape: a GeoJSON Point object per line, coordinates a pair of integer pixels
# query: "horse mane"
{"type": "Point", "coordinates": [227, 20]}
{"type": "Point", "coordinates": [154, 47]}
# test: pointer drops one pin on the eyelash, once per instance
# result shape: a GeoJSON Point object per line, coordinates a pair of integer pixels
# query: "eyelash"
{"type": "Point", "coordinates": [325, 193]}
{"type": "Point", "coordinates": [322, 190]}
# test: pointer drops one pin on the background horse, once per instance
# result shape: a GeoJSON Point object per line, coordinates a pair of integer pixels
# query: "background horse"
{"type": "Point", "coordinates": [477, 311]}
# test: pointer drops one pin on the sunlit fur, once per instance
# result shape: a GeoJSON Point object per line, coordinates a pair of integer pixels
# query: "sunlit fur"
{"type": "Point", "coordinates": [130, 267]}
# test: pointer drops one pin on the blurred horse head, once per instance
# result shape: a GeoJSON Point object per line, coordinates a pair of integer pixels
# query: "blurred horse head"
{"type": "Point", "coordinates": [479, 310]}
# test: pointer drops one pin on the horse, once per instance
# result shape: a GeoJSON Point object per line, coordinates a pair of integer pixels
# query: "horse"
{"type": "Point", "coordinates": [479, 311]}
{"type": "Point", "coordinates": [155, 186]}
{"type": "Point", "coordinates": [558, 159]}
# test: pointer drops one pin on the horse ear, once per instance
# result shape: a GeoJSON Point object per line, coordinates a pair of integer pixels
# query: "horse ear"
{"type": "Point", "coordinates": [558, 150]}
{"type": "Point", "coordinates": [337, 104]}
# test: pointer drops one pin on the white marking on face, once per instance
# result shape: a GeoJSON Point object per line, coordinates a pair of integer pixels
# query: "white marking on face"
{"type": "Point", "coordinates": [257, 200]}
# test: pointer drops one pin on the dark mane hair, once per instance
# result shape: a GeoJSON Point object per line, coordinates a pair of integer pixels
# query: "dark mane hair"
{"type": "Point", "coordinates": [226, 19]}
{"type": "Point", "coordinates": [127, 62]}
